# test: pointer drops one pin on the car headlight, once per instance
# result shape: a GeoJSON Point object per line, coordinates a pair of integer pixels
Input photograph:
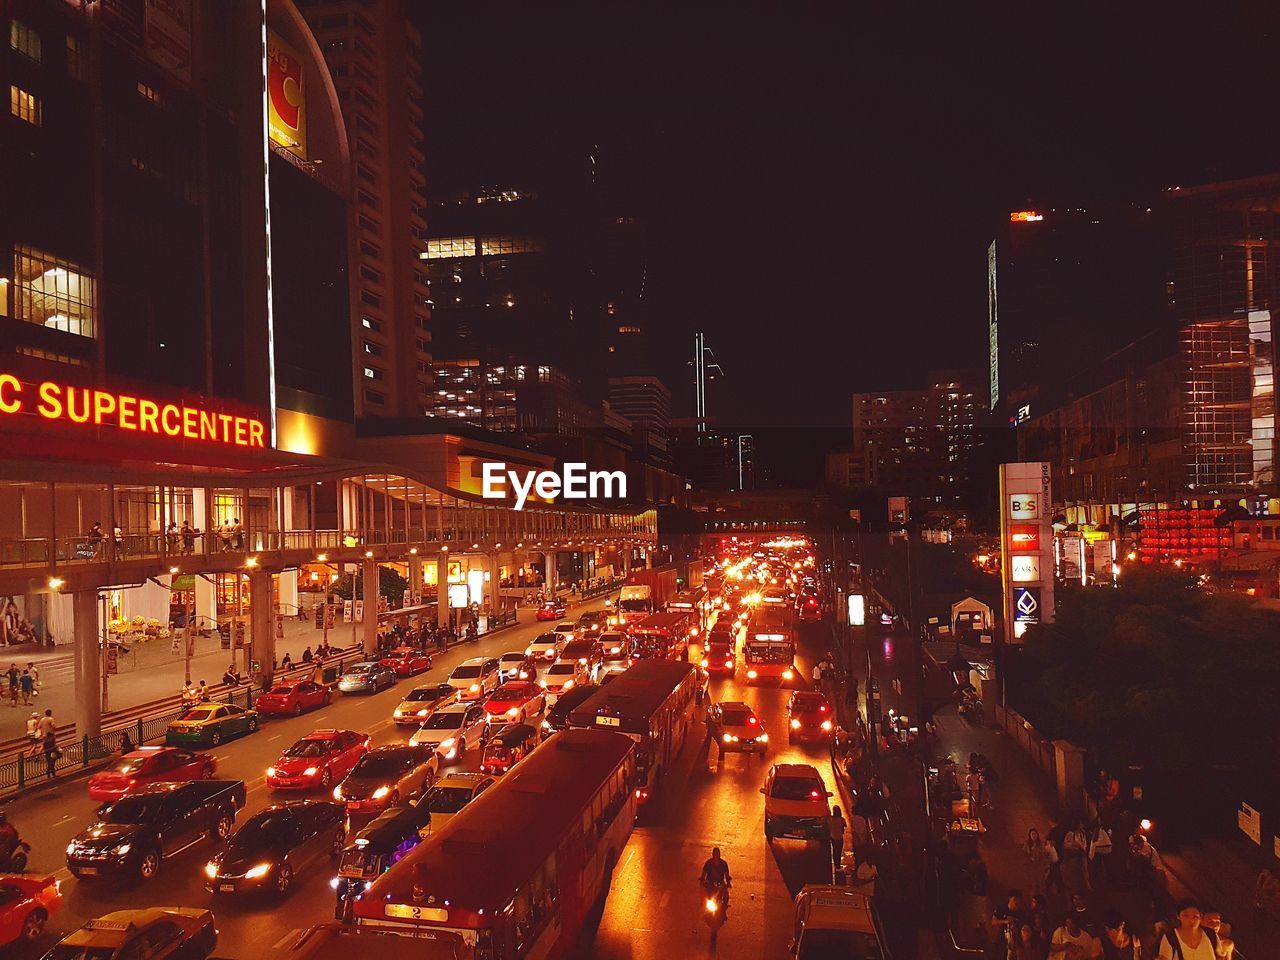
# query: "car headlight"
{"type": "Point", "coordinates": [261, 870]}
{"type": "Point", "coordinates": [337, 792]}
{"type": "Point", "coordinates": [474, 688]}
{"type": "Point", "coordinates": [310, 771]}
{"type": "Point", "coordinates": [514, 711]}
{"type": "Point", "coordinates": [121, 850]}
{"type": "Point", "coordinates": [333, 884]}
{"type": "Point", "coordinates": [271, 771]}
{"type": "Point", "coordinates": [787, 674]}
{"type": "Point", "coordinates": [399, 713]}
{"type": "Point", "coordinates": [727, 738]}
{"type": "Point", "coordinates": [751, 674]}
{"type": "Point", "coordinates": [705, 663]}
{"type": "Point", "coordinates": [446, 744]}
{"type": "Point", "coordinates": [615, 649]}
{"type": "Point", "coordinates": [795, 724]}
{"type": "Point", "coordinates": [728, 664]}
{"type": "Point", "coordinates": [542, 684]}
{"type": "Point", "coordinates": [528, 651]}
{"type": "Point", "coordinates": [763, 738]}
{"type": "Point", "coordinates": [210, 869]}
{"type": "Point", "coordinates": [381, 792]}
{"type": "Point", "coordinates": [826, 724]}
{"type": "Point", "coordinates": [71, 848]}
{"type": "Point", "coordinates": [423, 712]}
{"type": "Point", "coordinates": [567, 684]}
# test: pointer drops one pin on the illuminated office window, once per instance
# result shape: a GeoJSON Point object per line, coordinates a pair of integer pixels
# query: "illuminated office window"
{"type": "Point", "coordinates": [24, 40]}
{"type": "Point", "coordinates": [53, 293]}
{"type": "Point", "coordinates": [24, 105]}
{"type": "Point", "coordinates": [451, 247]}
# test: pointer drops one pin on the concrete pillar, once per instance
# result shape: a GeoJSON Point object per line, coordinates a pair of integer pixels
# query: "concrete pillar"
{"type": "Point", "coordinates": [415, 580]}
{"type": "Point", "coordinates": [88, 664]}
{"type": "Point", "coordinates": [626, 559]}
{"type": "Point", "coordinates": [493, 588]}
{"type": "Point", "coordinates": [549, 566]}
{"type": "Point", "coordinates": [206, 600]}
{"type": "Point", "coordinates": [442, 590]}
{"type": "Point", "coordinates": [1070, 766]}
{"type": "Point", "coordinates": [987, 690]}
{"type": "Point", "coordinates": [262, 628]}
{"type": "Point", "coordinates": [289, 593]}
{"type": "Point", "coordinates": [200, 516]}
{"type": "Point", "coordinates": [369, 578]}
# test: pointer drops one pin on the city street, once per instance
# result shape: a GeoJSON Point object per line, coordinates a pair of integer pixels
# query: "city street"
{"type": "Point", "coordinates": [249, 927]}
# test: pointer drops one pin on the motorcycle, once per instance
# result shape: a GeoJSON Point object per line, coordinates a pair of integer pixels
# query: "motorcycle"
{"type": "Point", "coordinates": [472, 633]}
{"type": "Point", "coordinates": [715, 906]}
{"type": "Point", "coordinates": [970, 706]}
{"type": "Point", "coordinates": [17, 862]}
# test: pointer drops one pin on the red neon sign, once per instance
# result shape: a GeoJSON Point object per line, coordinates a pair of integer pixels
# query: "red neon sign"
{"type": "Point", "coordinates": [93, 406]}
{"type": "Point", "coordinates": [1024, 537]}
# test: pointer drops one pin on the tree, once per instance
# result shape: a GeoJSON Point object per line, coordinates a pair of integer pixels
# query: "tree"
{"type": "Point", "coordinates": [390, 585]}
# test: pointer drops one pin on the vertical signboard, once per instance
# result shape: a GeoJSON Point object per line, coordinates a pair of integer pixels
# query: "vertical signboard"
{"type": "Point", "coordinates": [286, 97]}
{"type": "Point", "coordinates": [993, 331]}
{"type": "Point", "coordinates": [1026, 546]}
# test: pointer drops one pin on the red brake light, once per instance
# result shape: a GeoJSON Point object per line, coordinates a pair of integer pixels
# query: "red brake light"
{"type": "Point", "coordinates": [752, 721]}
{"type": "Point", "coordinates": [813, 794]}
{"type": "Point", "coordinates": [823, 708]}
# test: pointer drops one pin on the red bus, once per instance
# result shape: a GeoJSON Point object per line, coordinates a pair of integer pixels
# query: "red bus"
{"type": "Point", "coordinates": [665, 635]}
{"type": "Point", "coordinates": [525, 866]}
{"type": "Point", "coordinates": [653, 702]}
{"type": "Point", "coordinates": [769, 652]}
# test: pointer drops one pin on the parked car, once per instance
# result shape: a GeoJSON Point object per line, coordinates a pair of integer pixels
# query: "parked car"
{"type": "Point", "coordinates": [452, 729]}
{"type": "Point", "coordinates": [515, 701]}
{"type": "Point", "coordinates": [508, 747]}
{"type": "Point", "coordinates": [407, 661]}
{"type": "Point", "coordinates": [517, 665]}
{"type": "Point", "coordinates": [27, 902]}
{"type": "Point", "coordinates": [150, 765]}
{"type": "Point", "coordinates": [134, 834]}
{"type": "Point", "coordinates": [319, 760]}
{"type": "Point", "coordinates": [420, 701]}
{"type": "Point", "coordinates": [387, 776]}
{"type": "Point", "coordinates": [551, 610]}
{"type": "Point", "coordinates": [275, 843]}
{"type": "Point", "coordinates": [367, 677]}
{"type": "Point", "coordinates": [292, 697]}
{"type": "Point", "coordinates": [210, 724]}
{"type": "Point", "coordinates": [475, 679]}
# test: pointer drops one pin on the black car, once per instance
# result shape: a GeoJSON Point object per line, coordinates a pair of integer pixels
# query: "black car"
{"type": "Point", "coordinates": [377, 848]}
{"type": "Point", "coordinates": [592, 622]}
{"type": "Point", "coordinates": [141, 829]}
{"type": "Point", "coordinates": [274, 844]}
{"type": "Point", "coordinates": [557, 717]}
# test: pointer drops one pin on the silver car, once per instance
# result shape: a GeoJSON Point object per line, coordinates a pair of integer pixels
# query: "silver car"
{"type": "Point", "coordinates": [452, 730]}
{"type": "Point", "coordinates": [366, 678]}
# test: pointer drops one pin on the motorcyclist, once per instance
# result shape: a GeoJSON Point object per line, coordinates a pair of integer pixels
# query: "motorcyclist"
{"type": "Point", "coordinates": [8, 839]}
{"type": "Point", "coordinates": [715, 875]}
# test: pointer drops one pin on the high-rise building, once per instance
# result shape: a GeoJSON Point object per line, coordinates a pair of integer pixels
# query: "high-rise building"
{"type": "Point", "coordinates": [375, 56]}
{"type": "Point", "coordinates": [920, 443]}
{"type": "Point", "coordinates": [134, 235]}
{"type": "Point", "coordinates": [646, 402]}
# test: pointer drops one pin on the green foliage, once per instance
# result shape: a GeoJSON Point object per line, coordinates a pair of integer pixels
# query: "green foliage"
{"type": "Point", "coordinates": [390, 585]}
{"type": "Point", "coordinates": [1156, 670]}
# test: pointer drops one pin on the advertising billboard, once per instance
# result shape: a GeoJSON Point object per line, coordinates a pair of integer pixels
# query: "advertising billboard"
{"type": "Point", "coordinates": [1026, 546]}
{"type": "Point", "coordinates": [286, 97]}
{"type": "Point", "coordinates": [993, 330]}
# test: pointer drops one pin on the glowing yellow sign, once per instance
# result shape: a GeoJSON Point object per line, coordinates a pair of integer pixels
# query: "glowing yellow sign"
{"type": "Point", "coordinates": [286, 97]}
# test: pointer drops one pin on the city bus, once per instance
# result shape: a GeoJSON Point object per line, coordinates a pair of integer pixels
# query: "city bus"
{"type": "Point", "coordinates": [523, 868]}
{"type": "Point", "coordinates": [769, 652]}
{"type": "Point", "coordinates": [653, 702]}
{"type": "Point", "coordinates": [665, 635]}
{"type": "Point", "coordinates": [693, 602]}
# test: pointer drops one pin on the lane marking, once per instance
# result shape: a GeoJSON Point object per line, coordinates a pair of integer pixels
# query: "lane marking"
{"type": "Point", "coordinates": [292, 934]}
{"type": "Point", "coordinates": [63, 820]}
{"type": "Point", "coordinates": [275, 738]}
{"type": "Point", "coordinates": [666, 898]}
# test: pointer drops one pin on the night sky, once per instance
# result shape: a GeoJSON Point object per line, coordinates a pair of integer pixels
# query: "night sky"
{"type": "Point", "coordinates": [822, 182]}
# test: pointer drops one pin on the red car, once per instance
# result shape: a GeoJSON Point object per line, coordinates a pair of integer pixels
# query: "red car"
{"type": "Point", "coordinates": [406, 661]}
{"type": "Point", "coordinates": [809, 608]}
{"type": "Point", "coordinates": [26, 904]}
{"type": "Point", "coordinates": [514, 702]}
{"type": "Point", "coordinates": [319, 760]}
{"type": "Point", "coordinates": [552, 610]}
{"type": "Point", "coordinates": [150, 765]}
{"type": "Point", "coordinates": [292, 697]}
{"type": "Point", "coordinates": [811, 716]}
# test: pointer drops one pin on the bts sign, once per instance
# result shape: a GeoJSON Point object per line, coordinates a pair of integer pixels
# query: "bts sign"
{"type": "Point", "coordinates": [1026, 542]}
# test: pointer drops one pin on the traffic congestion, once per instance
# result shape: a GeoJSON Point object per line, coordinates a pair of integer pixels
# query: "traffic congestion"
{"type": "Point", "coordinates": [522, 795]}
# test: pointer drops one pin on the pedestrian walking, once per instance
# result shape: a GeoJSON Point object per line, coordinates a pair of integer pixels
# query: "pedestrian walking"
{"type": "Point", "coordinates": [13, 675]}
{"type": "Point", "coordinates": [835, 833]}
{"type": "Point", "coordinates": [1037, 854]}
{"type": "Point", "coordinates": [51, 754]}
{"type": "Point", "coordinates": [35, 679]}
{"type": "Point", "coordinates": [860, 834]}
{"type": "Point", "coordinates": [817, 676]}
{"type": "Point", "coordinates": [47, 725]}
{"type": "Point", "coordinates": [28, 685]}
{"type": "Point", "coordinates": [1100, 848]}
{"type": "Point", "coordinates": [1075, 850]}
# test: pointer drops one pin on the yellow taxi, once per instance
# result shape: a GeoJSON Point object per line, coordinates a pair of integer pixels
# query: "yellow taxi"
{"type": "Point", "coordinates": [211, 723]}
{"type": "Point", "coordinates": [158, 933]}
{"type": "Point", "coordinates": [836, 922]}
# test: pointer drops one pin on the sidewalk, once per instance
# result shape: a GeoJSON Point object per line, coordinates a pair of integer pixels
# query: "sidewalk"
{"type": "Point", "coordinates": [1023, 798]}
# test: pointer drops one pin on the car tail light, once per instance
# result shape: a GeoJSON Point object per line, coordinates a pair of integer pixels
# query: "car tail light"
{"type": "Point", "coordinates": [813, 794]}
{"type": "Point", "coordinates": [822, 708]}
{"type": "Point", "coordinates": [826, 724]}
{"type": "Point", "coordinates": [752, 720]}
{"type": "Point", "coordinates": [795, 724]}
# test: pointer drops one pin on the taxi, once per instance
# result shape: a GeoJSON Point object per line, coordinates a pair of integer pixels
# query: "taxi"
{"type": "Point", "coordinates": [516, 701]}
{"type": "Point", "coordinates": [419, 703]}
{"type": "Point", "coordinates": [211, 723]}
{"type": "Point", "coordinates": [735, 726]}
{"type": "Point", "coordinates": [158, 933]}
{"type": "Point", "coordinates": [796, 803]}
{"type": "Point", "coordinates": [836, 922]}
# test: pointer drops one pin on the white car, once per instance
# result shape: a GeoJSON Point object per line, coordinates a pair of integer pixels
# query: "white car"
{"type": "Point", "coordinates": [452, 730]}
{"type": "Point", "coordinates": [616, 652]}
{"type": "Point", "coordinates": [546, 646]}
{"type": "Point", "coordinates": [567, 631]}
{"type": "Point", "coordinates": [561, 676]}
{"type": "Point", "coordinates": [512, 666]}
{"type": "Point", "coordinates": [475, 679]}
